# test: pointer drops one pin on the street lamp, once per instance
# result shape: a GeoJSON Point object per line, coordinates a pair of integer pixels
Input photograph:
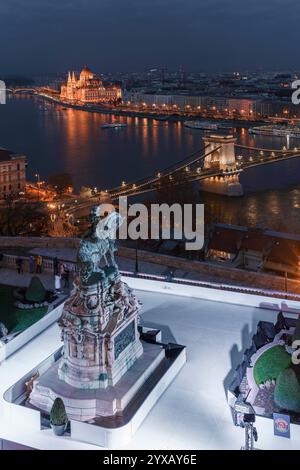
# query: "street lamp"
{"type": "Point", "coordinates": [136, 258]}
{"type": "Point", "coordinates": [38, 184]}
{"type": "Point", "coordinates": [286, 284]}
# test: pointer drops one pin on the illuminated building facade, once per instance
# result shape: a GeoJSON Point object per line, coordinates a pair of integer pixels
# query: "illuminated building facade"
{"type": "Point", "coordinates": [12, 174]}
{"type": "Point", "coordinates": [88, 89]}
{"type": "Point", "coordinates": [204, 103]}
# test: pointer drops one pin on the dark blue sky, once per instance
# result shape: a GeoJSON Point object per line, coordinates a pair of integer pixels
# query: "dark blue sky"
{"type": "Point", "coordinates": [209, 35]}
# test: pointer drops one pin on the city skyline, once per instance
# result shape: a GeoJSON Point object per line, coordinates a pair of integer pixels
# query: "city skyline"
{"type": "Point", "coordinates": [200, 35]}
{"type": "Point", "coordinates": [149, 228]}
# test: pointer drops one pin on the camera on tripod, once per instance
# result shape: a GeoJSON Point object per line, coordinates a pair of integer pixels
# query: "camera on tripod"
{"type": "Point", "coordinates": [244, 416]}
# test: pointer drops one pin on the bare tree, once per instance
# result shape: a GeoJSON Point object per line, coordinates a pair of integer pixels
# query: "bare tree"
{"type": "Point", "coordinates": [21, 219]}
{"type": "Point", "coordinates": [61, 227]}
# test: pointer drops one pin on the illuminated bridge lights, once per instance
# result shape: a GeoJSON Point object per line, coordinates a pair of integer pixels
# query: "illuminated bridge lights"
{"type": "Point", "coordinates": [191, 171]}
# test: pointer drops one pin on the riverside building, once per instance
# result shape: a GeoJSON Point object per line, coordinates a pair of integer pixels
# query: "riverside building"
{"type": "Point", "coordinates": [12, 173]}
{"type": "Point", "coordinates": [88, 89]}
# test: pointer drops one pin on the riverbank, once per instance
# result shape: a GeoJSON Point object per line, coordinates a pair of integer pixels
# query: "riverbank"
{"type": "Point", "coordinates": [72, 141]}
{"type": "Point", "coordinates": [174, 117]}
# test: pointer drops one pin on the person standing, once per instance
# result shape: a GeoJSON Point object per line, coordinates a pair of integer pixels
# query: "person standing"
{"type": "Point", "coordinates": [57, 282]}
{"type": "Point", "coordinates": [39, 263]}
{"type": "Point", "coordinates": [66, 277]}
{"type": "Point", "coordinates": [19, 263]}
{"type": "Point", "coordinates": [31, 264]}
{"type": "Point", "coordinates": [56, 266]}
{"type": "Point", "coordinates": [61, 269]}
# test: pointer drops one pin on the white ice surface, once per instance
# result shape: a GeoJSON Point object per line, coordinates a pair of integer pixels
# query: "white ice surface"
{"type": "Point", "coordinates": [193, 412]}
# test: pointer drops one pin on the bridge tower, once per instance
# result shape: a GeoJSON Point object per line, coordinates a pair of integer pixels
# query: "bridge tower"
{"type": "Point", "coordinates": [221, 160]}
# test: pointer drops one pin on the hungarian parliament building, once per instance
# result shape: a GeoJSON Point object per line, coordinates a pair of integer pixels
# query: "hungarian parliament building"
{"type": "Point", "coordinates": [88, 89]}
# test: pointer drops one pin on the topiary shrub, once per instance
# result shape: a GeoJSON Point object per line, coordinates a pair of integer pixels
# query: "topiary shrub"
{"type": "Point", "coordinates": [287, 391]}
{"type": "Point", "coordinates": [58, 415]}
{"type": "Point", "coordinates": [269, 365]}
{"type": "Point", "coordinates": [36, 292]}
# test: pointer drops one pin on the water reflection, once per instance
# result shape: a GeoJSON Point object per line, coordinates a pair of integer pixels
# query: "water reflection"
{"type": "Point", "coordinates": [278, 210]}
{"type": "Point", "coordinates": [57, 139]}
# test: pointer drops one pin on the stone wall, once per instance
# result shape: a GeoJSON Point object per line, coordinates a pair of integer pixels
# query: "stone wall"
{"type": "Point", "coordinates": [262, 280]}
{"type": "Point", "coordinates": [222, 273]}
{"type": "Point", "coordinates": [36, 242]}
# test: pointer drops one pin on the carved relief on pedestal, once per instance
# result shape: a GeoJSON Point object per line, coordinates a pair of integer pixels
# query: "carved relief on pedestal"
{"type": "Point", "coordinates": [109, 352]}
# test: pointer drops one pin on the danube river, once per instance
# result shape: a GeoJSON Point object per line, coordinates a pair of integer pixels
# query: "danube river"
{"type": "Point", "coordinates": [58, 140]}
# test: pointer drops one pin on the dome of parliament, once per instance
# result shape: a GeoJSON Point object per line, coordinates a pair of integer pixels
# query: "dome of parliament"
{"type": "Point", "coordinates": [86, 74]}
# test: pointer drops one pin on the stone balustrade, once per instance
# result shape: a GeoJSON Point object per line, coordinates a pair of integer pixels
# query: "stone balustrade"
{"type": "Point", "coordinates": [10, 261]}
{"type": "Point", "coordinates": [235, 279]}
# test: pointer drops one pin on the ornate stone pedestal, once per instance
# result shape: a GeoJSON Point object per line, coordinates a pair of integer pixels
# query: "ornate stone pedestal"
{"type": "Point", "coordinates": [101, 343]}
{"type": "Point", "coordinates": [99, 331]}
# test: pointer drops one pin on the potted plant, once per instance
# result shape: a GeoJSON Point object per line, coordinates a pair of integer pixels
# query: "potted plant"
{"type": "Point", "coordinates": [58, 417]}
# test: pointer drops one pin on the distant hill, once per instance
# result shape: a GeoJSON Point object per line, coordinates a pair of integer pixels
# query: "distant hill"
{"type": "Point", "coordinates": [17, 80]}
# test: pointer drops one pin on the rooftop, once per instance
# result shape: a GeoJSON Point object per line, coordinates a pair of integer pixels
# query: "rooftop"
{"type": "Point", "coordinates": [8, 155]}
{"type": "Point", "coordinates": [276, 246]}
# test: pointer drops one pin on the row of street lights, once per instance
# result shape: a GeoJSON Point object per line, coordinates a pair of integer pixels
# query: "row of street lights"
{"type": "Point", "coordinates": [190, 108]}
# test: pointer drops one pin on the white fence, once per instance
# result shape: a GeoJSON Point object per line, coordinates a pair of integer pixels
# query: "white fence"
{"type": "Point", "coordinates": [219, 294]}
{"type": "Point", "coordinates": [81, 431]}
{"type": "Point", "coordinates": [27, 335]}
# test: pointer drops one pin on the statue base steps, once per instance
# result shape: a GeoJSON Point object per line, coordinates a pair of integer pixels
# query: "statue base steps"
{"type": "Point", "coordinates": [87, 404]}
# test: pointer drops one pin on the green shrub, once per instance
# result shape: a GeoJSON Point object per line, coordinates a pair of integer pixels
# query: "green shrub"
{"type": "Point", "coordinates": [36, 292]}
{"type": "Point", "coordinates": [287, 391]}
{"type": "Point", "coordinates": [58, 415]}
{"type": "Point", "coordinates": [269, 365]}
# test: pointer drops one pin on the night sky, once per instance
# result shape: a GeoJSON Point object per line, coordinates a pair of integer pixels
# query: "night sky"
{"type": "Point", "coordinates": [133, 35]}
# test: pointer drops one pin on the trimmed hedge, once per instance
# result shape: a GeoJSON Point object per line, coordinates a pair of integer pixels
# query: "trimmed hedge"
{"type": "Point", "coordinates": [58, 415]}
{"type": "Point", "coordinates": [270, 364]}
{"type": "Point", "coordinates": [16, 319]}
{"type": "Point", "coordinates": [287, 391]}
{"type": "Point", "coordinates": [36, 292]}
